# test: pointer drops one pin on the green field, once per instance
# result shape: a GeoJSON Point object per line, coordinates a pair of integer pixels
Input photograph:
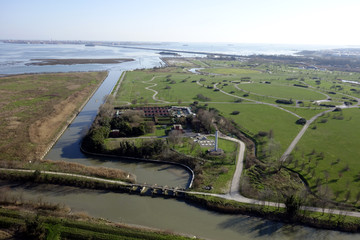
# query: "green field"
{"type": "Point", "coordinates": [255, 118]}
{"type": "Point", "coordinates": [336, 139]}
{"type": "Point", "coordinates": [229, 71]}
{"type": "Point", "coordinates": [280, 91]}
{"type": "Point", "coordinates": [177, 86]}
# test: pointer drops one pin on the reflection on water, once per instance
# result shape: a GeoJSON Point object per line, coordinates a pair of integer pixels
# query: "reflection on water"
{"type": "Point", "coordinates": [169, 214]}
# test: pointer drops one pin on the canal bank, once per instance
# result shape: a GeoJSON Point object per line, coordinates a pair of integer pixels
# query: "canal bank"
{"type": "Point", "coordinates": [169, 214]}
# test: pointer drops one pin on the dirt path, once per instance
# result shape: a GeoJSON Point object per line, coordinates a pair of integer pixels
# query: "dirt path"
{"type": "Point", "coordinates": [119, 83]}
{"type": "Point", "coordinates": [300, 134]}
{"type": "Point", "coordinates": [258, 102]}
{"type": "Point", "coordinates": [70, 175]}
{"type": "Point", "coordinates": [155, 92]}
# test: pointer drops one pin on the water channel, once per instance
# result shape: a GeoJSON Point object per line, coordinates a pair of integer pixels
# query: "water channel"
{"type": "Point", "coordinates": [169, 214]}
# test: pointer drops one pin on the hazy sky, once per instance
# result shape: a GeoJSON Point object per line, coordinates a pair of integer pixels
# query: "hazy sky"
{"type": "Point", "coordinates": [252, 21]}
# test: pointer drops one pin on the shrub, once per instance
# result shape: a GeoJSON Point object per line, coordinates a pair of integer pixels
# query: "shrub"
{"type": "Point", "coordinates": [299, 85]}
{"type": "Point", "coordinates": [283, 101]}
{"type": "Point", "coordinates": [202, 97]}
{"type": "Point", "coordinates": [301, 121]}
{"type": "Point", "coordinates": [262, 134]}
{"type": "Point", "coordinates": [324, 120]}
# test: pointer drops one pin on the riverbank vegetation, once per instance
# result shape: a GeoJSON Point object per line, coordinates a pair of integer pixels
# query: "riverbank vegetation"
{"type": "Point", "coordinates": [69, 167]}
{"type": "Point", "coordinates": [292, 213]}
{"type": "Point", "coordinates": [20, 219]}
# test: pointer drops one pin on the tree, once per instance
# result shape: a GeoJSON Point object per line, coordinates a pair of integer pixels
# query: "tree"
{"type": "Point", "coordinates": [301, 121]}
{"type": "Point", "coordinates": [175, 137]}
{"type": "Point", "coordinates": [206, 119]}
{"type": "Point", "coordinates": [292, 205]}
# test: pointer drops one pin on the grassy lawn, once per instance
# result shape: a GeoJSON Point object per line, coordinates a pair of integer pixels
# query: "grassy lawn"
{"type": "Point", "coordinates": [35, 107]}
{"type": "Point", "coordinates": [217, 171]}
{"type": "Point", "coordinates": [255, 118]}
{"type": "Point", "coordinates": [306, 113]}
{"type": "Point", "coordinates": [133, 88]}
{"type": "Point", "coordinates": [229, 71]}
{"type": "Point", "coordinates": [280, 91]}
{"type": "Point", "coordinates": [340, 168]}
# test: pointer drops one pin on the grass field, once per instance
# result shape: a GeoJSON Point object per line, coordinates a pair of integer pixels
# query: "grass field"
{"type": "Point", "coordinates": [255, 118]}
{"type": "Point", "coordinates": [176, 85]}
{"type": "Point", "coordinates": [35, 107]}
{"type": "Point", "coordinates": [339, 168]}
{"type": "Point", "coordinates": [229, 71]}
{"type": "Point", "coordinates": [280, 91]}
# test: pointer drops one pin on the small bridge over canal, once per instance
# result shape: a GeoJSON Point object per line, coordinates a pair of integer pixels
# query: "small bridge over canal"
{"type": "Point", "coordinates": [155, 190]}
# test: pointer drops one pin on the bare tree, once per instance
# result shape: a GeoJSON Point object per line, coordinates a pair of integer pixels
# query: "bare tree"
{"type": "Point", "coordinates": [175, 137]}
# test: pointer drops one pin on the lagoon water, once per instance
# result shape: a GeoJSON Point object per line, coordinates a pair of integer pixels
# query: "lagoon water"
{"type": "Point", "coordinates": [159, 213]}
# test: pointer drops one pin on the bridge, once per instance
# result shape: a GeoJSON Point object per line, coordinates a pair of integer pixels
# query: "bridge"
{"type": "Point", "coordinates": [155, 190]}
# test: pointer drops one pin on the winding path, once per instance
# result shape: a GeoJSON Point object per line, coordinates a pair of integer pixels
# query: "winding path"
{"type": "Point", "coordinates": [258, 102]}
{"type": "Point", "coordinates": [155, 92]}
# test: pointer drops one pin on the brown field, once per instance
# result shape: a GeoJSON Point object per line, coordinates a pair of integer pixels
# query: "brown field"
{"type": "Point", "coordinates": [35, 107]}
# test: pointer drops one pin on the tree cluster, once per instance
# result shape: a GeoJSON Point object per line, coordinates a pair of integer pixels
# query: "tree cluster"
{"type": "Point", "coordinates": [148, 148]}
{"type": "Point", "coordinates": [284, 101]}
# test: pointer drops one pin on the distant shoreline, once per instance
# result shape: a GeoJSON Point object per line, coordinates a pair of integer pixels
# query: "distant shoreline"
{"type": "Point", "coordinates": [71, 61]}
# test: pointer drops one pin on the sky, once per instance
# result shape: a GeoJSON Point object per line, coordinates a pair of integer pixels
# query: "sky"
{"type": "Point", "coordinates": [320, 22]}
